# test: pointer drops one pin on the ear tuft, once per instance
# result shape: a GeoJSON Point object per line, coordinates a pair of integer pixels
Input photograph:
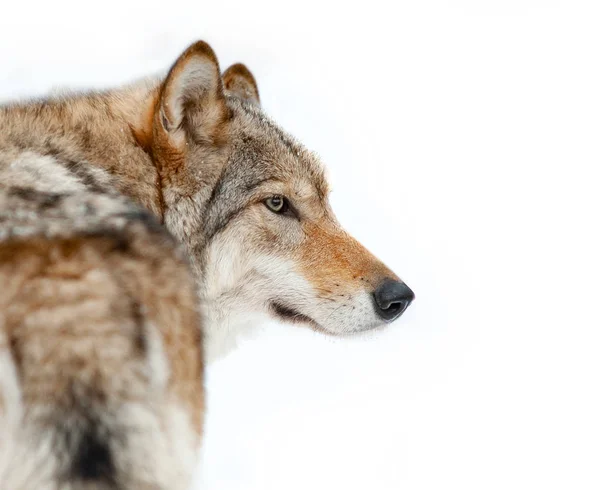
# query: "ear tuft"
{"type": "Point", "coordinates": [192, 83]}
{"type": "Point", "coordinates": [239, 81]}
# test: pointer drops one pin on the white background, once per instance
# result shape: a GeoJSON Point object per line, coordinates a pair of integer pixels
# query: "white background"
{"type": "Point", "coordinates": [463, 142]}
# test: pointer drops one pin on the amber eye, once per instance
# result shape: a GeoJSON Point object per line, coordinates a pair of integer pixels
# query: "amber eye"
{"type": "Point", "coordinates": [277, 204]}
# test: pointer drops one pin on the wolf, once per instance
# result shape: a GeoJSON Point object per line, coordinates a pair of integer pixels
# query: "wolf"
{"type": "Point", "coordinates": [143, 230]}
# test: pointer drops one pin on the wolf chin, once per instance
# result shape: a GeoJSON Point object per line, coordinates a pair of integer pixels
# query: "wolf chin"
{"type": "Point", "coordinates": [142, 230]}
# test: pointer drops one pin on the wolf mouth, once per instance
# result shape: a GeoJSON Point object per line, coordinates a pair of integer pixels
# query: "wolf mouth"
{"type": "Point", "coordinates": [289, 314]}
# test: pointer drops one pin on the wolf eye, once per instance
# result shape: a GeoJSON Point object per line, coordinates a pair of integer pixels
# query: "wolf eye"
{"type": "Point", "coordinates": [277, 204]}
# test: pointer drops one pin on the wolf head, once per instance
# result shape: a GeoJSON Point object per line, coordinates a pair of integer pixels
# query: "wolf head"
{"type": "Point", "coordinates": [251, 205]}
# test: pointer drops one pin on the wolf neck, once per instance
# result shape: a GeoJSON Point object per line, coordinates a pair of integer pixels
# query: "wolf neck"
{"type": "Point", "coordinates": [131, 165]}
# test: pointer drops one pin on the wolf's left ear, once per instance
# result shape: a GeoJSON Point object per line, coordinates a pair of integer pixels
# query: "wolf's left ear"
{"type": "Point", "coordinates": [240, 82]}
{"type": "Point", "coordinates": [192, 95]}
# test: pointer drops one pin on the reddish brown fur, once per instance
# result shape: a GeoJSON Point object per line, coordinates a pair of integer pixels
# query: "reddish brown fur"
{"type": "Point", "coordinates": [333, 260]}
{"type": "Point", "coordinates": [142, 131]}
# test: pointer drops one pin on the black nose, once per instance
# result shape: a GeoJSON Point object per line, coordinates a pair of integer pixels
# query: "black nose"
{"type": "Point", "coordinates": [391, 298]}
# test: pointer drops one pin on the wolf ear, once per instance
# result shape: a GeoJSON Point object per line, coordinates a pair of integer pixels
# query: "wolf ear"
{"type": "Point", "coordinates": [240, 82]}
{"type": "Point", "coordinates": [192, 94]}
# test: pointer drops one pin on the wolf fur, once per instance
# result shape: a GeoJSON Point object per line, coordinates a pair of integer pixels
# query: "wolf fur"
{"type": "Point", "coordinates": [123, 215]}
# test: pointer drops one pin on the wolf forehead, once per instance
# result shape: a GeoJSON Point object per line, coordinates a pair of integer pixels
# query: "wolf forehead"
{"type": "Point", "coordinates": [262, 151]}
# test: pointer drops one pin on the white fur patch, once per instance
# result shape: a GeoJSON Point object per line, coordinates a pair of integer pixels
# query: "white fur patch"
{"type": "Point", "coordinates": [39, 172]}
{"type": "Point", "coordinates": [156, 358]}
{"type": "Point", "coordinates": [239, 282]}
{"type": "Point", "coordinates": [162, 446]}
{"type": "Point", "coordinates": [10, 403]}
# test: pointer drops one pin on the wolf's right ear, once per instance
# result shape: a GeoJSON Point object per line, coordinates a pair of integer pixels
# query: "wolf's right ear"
{"type": "Point", "coordinates": [192, 97]}
{"type": "Point", "coordinates": [239, 81]}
